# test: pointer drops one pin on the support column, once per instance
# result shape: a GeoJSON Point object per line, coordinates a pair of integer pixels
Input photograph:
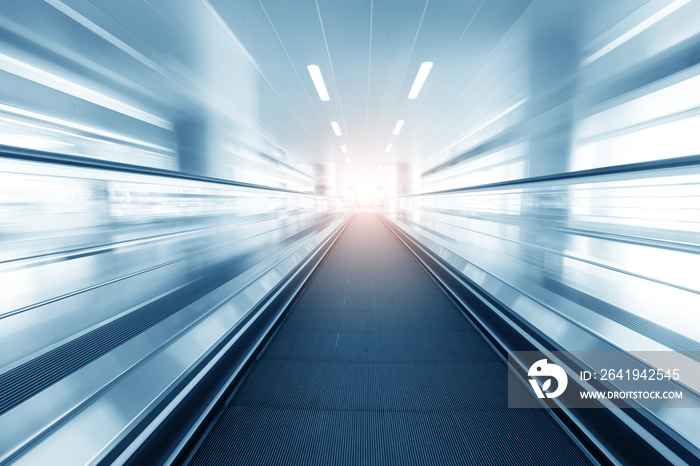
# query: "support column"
{"type": "Point", "coordinates": [191, 132]}
{"type": "Point", "coordinates": [551, 114]}
{"type": "Point", "coordinates": [324, 179]}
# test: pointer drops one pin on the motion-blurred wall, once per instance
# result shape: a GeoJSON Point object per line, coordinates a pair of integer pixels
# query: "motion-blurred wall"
{"type": "Point", "coordinates": [574, 201]}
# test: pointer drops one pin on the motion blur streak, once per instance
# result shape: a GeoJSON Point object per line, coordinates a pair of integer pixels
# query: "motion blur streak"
{"type": "Point", "coordinates": [579, 208]}
{"type": "Point", "coordinates": [167, 170]}
{"type": "Point", "coordinates": [130, 179]}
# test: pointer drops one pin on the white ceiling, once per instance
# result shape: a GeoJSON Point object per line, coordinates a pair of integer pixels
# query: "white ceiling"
{"type": "Point", "coordinates": [368, 51]}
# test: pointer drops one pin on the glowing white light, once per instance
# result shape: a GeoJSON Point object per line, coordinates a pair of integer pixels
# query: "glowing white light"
{"type": "Point", "coordinates": [638, 29]}
{"type": "Point", "coordinates": [397, 128]}
{"type": "Point", "coordinates": [348, 159]}
{"type": "Point", "coordinates": [388, 147]}
{"type": "Point", "coordinates": [484, 125]}
{"type": "Point", "coordinates": [78, 126]}
{"type": "Point", "coordinates": [82, 20]}
{"type": "Point", "coordinates": [336, 128]}
{"type": "Point", "coordinates": [317, 78]}
{"type": "Point", "coordinates": [420, 79]}
{"type": "Point", "coordinates": [343, 148]}
{"type": "Point", "coordinates": [67, 86]}
{"type": "Point", "coordinates": [30, 142]}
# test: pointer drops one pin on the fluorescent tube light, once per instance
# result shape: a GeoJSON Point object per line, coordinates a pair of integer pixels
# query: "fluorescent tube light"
{"type": "Point", "coordinates": [343, 148]}
{"type": "Point", "coordinates": [317, 78]}
{"type": "Point", "coordinates": [420, 79]}
{"type": "Point", "coordinates": [397, 128]}
{"type": "Point", "coordinates": [388, 147]}
{"type": "Point", "coordinates": [336, 128]}
{"type": "Point", "coordinates": [348, 159]}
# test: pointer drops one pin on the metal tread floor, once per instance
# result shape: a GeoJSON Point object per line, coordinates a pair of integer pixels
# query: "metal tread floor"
{"type": "Point", "coordinates": [375, 365]}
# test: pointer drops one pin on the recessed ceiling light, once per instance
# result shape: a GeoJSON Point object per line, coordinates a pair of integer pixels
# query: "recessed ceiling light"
{"type": "Point", "coordinates": [343, 148]}
{"type": "Point", "coordinates": [336, 128]}
{"type": "Point", "coordinates": [317, 78]}
{"type": "Point", "coordinates": [388, 147]}
{"type": "Point", "coordinates": [420, 79]}
{"type": "Point", "coordinates": [348, 159]}
{"type": "Point", "coordinates": [397, 128]}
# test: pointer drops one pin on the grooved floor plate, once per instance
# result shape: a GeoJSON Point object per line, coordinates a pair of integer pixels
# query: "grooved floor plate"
{"type": "Point", "coordinates": [375, 365]}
